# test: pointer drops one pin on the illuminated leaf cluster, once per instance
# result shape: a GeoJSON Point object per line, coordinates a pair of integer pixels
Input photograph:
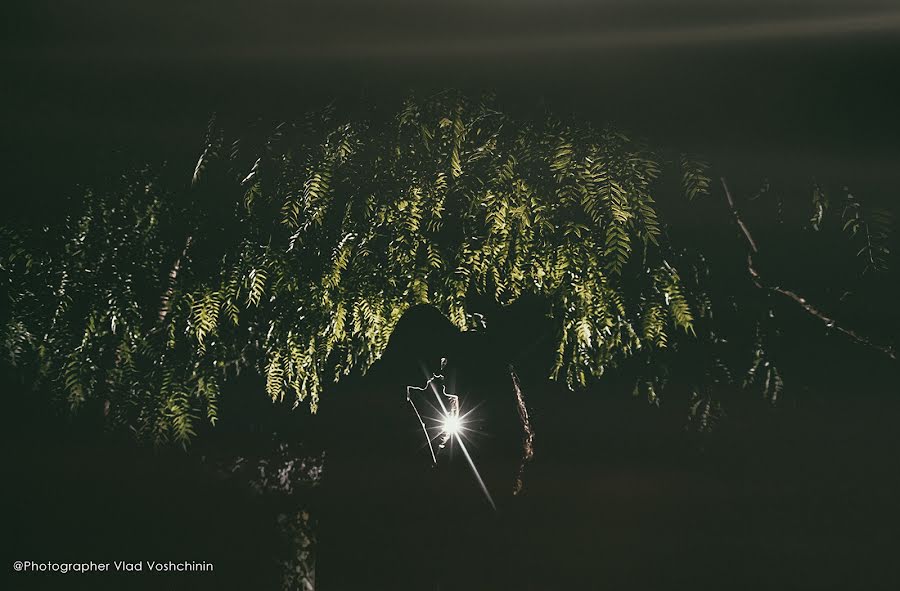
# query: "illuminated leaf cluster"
{"type": "Point", "coordinates": [295, 253]}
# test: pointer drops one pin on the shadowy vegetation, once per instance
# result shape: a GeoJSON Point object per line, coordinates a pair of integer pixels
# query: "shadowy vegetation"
{"type": "Point", "coordinates": [295, 249]}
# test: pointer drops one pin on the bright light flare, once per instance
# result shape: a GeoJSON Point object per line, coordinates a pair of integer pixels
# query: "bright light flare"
{"type": "Point", "coordinates": [452, 424]}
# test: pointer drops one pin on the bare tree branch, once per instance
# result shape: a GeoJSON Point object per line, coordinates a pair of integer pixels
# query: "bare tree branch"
{"type": "Point", "coordinates": [797, 298]}
{"type": "Point", "coordinates": [528, 431]}
{"type": "Point", "coordinates": [737, 218]}
{"type": "Point", "coordinates": [173, 276]}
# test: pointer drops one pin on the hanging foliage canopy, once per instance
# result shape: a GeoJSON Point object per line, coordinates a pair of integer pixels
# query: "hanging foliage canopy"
{"type": "Point", "coordinates": [295, 253]}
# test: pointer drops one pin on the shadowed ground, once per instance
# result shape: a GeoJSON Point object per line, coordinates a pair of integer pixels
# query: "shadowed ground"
{"type": "Point", "coordinates": [618, 496]}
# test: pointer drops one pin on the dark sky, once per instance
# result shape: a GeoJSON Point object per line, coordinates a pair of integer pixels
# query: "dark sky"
{"type": "Point", "coordinates": [407, 30]}
{"type": "Point", "coordinates": [805, 87]}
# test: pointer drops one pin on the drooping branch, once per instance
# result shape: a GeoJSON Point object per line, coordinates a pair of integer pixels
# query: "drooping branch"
{"type": "Point", "coordinates": [831, 323]}
{"type": "Point", "coordinates": [792, 295]}
{"type": "Point", "coordinates": [528, 431]}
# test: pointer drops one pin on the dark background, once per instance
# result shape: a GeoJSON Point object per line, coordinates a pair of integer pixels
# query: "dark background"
{"type": "Point", "coordinates": [797, 496]}
{"type": "Point", "coordinates": [801, 495]}
{"type": "Point", "coordinates": [762, 88]}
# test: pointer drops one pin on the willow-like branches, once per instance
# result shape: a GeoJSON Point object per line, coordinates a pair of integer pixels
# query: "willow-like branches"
{"type": "Point", "coordinates": [294, 253]}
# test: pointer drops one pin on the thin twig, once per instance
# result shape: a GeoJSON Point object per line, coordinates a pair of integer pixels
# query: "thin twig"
{"type": "Point", "coordinates": [832, 323]}
{"type": "Point", "coordinates": [737, 218]}
{"type": "Point", "coordinates": [427, 386]}
{"type": "Point", "coordinates": [797, 298]}
{"type": "Point", "coordinates": [528, 431]}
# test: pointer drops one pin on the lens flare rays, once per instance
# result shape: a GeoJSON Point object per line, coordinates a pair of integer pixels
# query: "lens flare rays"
{"type": "Point", "coordinates": [449, 424]}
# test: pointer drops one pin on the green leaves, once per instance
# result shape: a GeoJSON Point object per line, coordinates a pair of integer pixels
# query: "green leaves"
{"type": "Point", "coordinates": [694, 176]}
{"type": "Point", "coordinates": [820, 205]}
{"type": "Point", "coordinates": [304, 265]}
{"type": "Point", "coordinates": [617, 247]}
{"type": "Point", "coordinates": [205, 314]}
{"type": "Point", "coordinates": [869, 229]}
{"type": "Point", "coordinates": [275, 377]}
{"type": "Point", "coordinates": [670, 284]}
{"type": "Point", "coordinates": [256, 286]}
{"type": "Point", "coordinates": [763, 373]}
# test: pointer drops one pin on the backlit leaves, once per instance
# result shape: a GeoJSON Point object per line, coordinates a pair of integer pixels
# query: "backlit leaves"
{"type": "Point", "coordinates": [694, 176]}
{"type": "Point", "coordinates": [324, 234]}
{"type": "Point", "coordinates": [869, 230]}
